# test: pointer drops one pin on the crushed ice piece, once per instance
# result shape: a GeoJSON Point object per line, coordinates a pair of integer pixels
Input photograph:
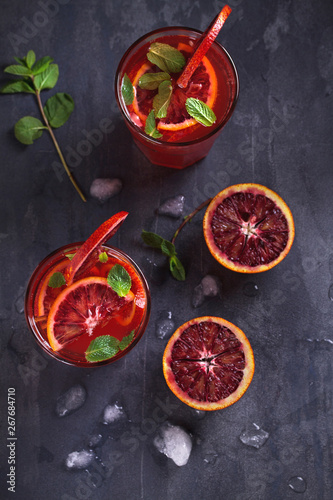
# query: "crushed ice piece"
{"type": "Point", "coordinates": [79, 459]}
{"type": "Point", "coordinates": [173, 207]}
{"type": "Point", "coordinates": [210, 458]}
{"type": "Point", "coordinates": [254, 436]}
{"type": "Point", "coordinates": [198, 296]}
{"type": "Point", "coordinates": [297, 484]}
{"type": "Point", "coordinates": [94, 440]}
{"type": "Point", "coordinates": [175, 443]}
{"type": "Point", "coordinates": [164, 326]}
{"type": "Point", "coordinates": [103, 189]}
{"type": "Point", "coordinates": [210, 286]}
{"type": "Point", "coordinates": [112, 413]}
{"type": "Point", "coordinates": [71, 400]}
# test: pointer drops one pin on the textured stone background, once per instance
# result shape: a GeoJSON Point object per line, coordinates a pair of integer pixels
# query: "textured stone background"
{"type": "Point", "coordinates": [281, 136]}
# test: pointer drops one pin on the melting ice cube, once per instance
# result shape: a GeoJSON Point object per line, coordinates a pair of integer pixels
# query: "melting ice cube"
{"type": "Point", "coordinates": [71, 400]}
{"type": "Point", "coordinates": [175, 443]}
{"type": "Point", "coordinates": [112, 413]}
{"type": "Point", "coordinates": [173, 207]}
{"type": "Point", "coordinates": [254, 436]}
{"type": "Point", "coordinates": [103, 189]}
{"type": "Point", "coordinates": [79, 459]}
{"type": "Point", "coordinates": [208, 287]}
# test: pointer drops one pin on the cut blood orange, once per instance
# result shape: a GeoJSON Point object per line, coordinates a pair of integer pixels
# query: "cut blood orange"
{"type": "Point", "coordinates": [248, 228]}
{"type": "Point", "coordinates": [203, 86]}
{"type": "Point", "coordinates": [79, 308]}
{"type": "Point", "coordinates": [208, 363]}
{"type": "Point", "coordinates": [103, 233]}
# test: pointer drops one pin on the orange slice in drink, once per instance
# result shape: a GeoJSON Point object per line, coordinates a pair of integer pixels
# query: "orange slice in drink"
{"type": "Point", "coordinates": [208, 363]}
{"type": "Point", "coordinates": [79, 308]}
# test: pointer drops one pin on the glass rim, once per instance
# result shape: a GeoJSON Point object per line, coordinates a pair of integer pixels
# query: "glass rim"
{"type": "Point", "coordinates": [137, 129]}
{"type": "Point", "coordinates": [34, 330]}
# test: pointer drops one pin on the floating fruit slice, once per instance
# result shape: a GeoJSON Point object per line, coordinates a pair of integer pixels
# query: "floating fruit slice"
{"type": "Point", "coordinates": [80, 308]}
{"type": "Point", "coordinates": [203, 86]}
{"type": "Point", "coordinates": [248, 228]}
{"type": "Point", "coordinates": [126, 314]}
{"type": "Point", "coordinates": [206, 40]}
{"type": "Point", "coordinates": [103, 233]}
{"type": "Point", "coordinates": [45, 294]}
{"type": "Point", "coordinates": [208, 363]}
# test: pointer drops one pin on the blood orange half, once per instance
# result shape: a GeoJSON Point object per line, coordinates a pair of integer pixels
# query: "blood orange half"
{"type": "Point", "coordinates": [79, 308]}
{"type": "Point", "coordinates": [248, 228]}
{"type": "Point", "coordinates": [203, 86]}
{"type": "Point", "coordinates": [208, 363]}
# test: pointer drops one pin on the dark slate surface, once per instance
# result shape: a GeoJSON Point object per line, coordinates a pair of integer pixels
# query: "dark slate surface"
{"type": "Point", "coordinates": [279, 136]}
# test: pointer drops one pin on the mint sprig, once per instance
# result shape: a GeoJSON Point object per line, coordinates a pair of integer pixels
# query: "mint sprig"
{"type": "Point", "coordinates": [167, 248]}
{"type": "Point", "coordinates": [162, 99]}
{"type": "Point", "coordinates": [106, 347]}
{"type": "Point", "coordinates": [57, 280]}
{"type": "Point", "coordinates": [119, 280]}
{"type": "Point", "coordinates": [127, 90]}
{"type": "Point", "coordinates": [150, 126]}
{"type": "Point", "coordinates": [166, 58]}
{"type": "Point", "coordinates": [200, 111]}
{"type": "Point", "coordinates": [33, 77]}
{"type": "Point", "coordinates": [151, 81]}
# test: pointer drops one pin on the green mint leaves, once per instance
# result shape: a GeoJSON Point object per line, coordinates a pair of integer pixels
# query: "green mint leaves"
{"type": "Point", "coordinates": [127, 90]}
{"type": "Point", "coordinates": [151, 81]}
{"type": "Point", "coordinates": [200, 111]}
{"type": "Point", "coordinates": [57, 280]}
{"type": "Point", "coordinates": [162, 99]}
{"type": "Point", "coordinates": [166, 58]}
{"type": "Point", "coordinates": [106, 347]}
{"type": "Point", "coordinates": [167, 248]}
{"type": "Point", "coordinates": [103, 257]}
{"type": "Point", "coordinates": [119, 280]}
{"type": "Point", "coordinates": [32, 77]}
{"type": "Point", "coordinates": [150, 127]}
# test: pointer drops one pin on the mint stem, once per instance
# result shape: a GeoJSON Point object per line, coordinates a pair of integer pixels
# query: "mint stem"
{"type": "Point", "coordinates": [55, 142]}
{"type": "Point", "coordinates": [189, 217]}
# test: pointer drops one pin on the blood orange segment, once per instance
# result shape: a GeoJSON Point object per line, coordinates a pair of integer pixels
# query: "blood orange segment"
{"type": "Point", "coordinates": [204, 44]}
{"type": "Point", "coordinates": [208, 363]}
{"type": "Point", "coordinates": [203, 86]}
{"type": "Point", "coordinates": [248, 228]}
{"type": "Point", "coordinates": [103, 233]}
{"type": "Point", "coordinates": [80, 308]}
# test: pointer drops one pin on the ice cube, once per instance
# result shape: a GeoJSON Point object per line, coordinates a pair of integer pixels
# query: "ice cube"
{"type": "Point", "coordinates": [254, 436]}
{"type": "Point", "coordinates": [175, 443]}
{"type": "Point", "coordinates": [79, 459]}
{"type": "Point", "coordinates": [112, 413]}
{"type": "Point", "coordinates": [210, 286]}
{"type": "Point", "coordinates": [71, 400]}
{"type": "Point", "coordinates": [103, 189]}
{"type": "Point", "coordinates": [198, 296]}
{"type": "Point", "coordinates": [164, 326]}
{"type": "Point", "coordinates": [173, 207]}
{"type": "Point", "coordinates": [94, 440]}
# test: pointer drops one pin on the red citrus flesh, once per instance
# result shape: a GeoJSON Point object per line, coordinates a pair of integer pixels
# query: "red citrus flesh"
{"type": "Point", "coordinates": [248, 228]}
{"type": "Point", "coordinates": [80, 308]}
{"type": "Point", "coordinates": [103, 233]}
{"type": "Point", "coordinates": [208, 363]}
{"type": "Point", "coordinates": [203, 86]}
{"type": "Point", "coordinates": [204, 44]}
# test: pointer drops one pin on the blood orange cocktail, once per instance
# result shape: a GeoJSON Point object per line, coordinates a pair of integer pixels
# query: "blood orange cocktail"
{"type": "Point", "coordinates": [182, 141]}
{"type": "Point", "coordinates": [103, 312]}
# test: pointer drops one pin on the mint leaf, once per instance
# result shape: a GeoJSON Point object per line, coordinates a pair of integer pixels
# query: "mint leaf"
{"type": "Point", "coordinates": [30, 58]}
{"type": "Point", "coordinates": [127, 90]}
{"type": "Point", "coordinates": [18, 70]}
{"type": "Point", "coordinates": [103, 257]}
{"type": "Point", "coordinates": [176, 268]}
{"type": "Point", "coordinates": [152, 239]}
{"type": "Point", "coordinates": [168, 248]}
{"type": "Point", "coordinates": [20, 61]}
{"type": "Point", "coordinates": [150, 127]}
{"type": "Point", "coordinates": [57, 280]}
{"type": "Point", "coordinates": [151, 81]}
{"type": "Point", "coordinates": [48, 78]}
{"type": "Point", "coordinates": [69, 256]}
{"type": "Point", "coordinates": [28, 129]}
{"type": "Point", "coordinates": [200, 111]}
{"type": "Point", "coordinates": [41, 65]}
{"type": "Point", "coordinates": [167, 58]}
{"type": "Point", "coordinates": [162, 100]}
{"type": "Point", "coordinates": [16, 86]}
{"type": "Point", "coordinates": [125, 342]}
{"type": "Point", "coordinates": [119, 280]}
{"type": "Point", "coordinates": [102, 348]}
{"type": "Point", "coordinates": [58, 109]}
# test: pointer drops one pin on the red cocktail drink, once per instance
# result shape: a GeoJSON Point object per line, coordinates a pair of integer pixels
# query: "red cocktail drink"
{"type": "Point", "coordinates": [178, 139]}
{"type": "Point", "coordinates": [67, 319]}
